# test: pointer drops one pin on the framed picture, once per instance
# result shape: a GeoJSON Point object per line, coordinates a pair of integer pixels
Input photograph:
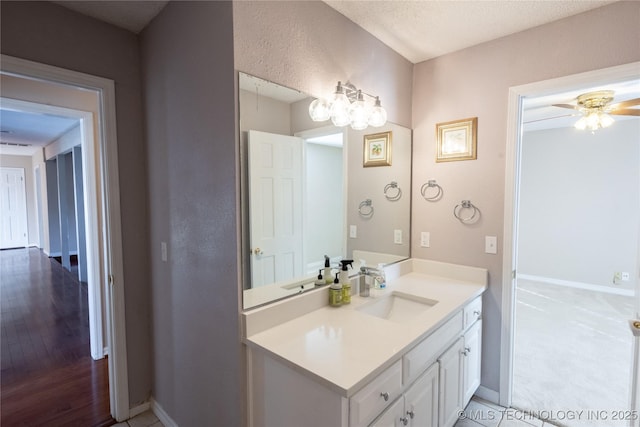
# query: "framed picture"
{"type": "Point", "coordinates": [456, 140]}
{"type": "Point", "coordinates": [377, 149]}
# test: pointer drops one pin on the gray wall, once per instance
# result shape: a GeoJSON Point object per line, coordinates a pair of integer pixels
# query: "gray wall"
{"type": "Point", "coordinates": [579, 204]}
{"type": "Point", "coordinates": [475, 82]}
{"type": "Point", "coordinates": [188, 79]}
{"type": "Point", "coordinates": [25, 163]}
{"type": "Point", "coordinates": [50, 34]}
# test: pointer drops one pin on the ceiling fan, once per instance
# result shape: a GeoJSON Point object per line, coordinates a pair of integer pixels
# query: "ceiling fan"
{"type": "Point", "coordinates": [596, 109]}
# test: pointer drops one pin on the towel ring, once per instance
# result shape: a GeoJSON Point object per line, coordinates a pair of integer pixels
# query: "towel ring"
{"type": "Point", "coordinates": [431, 184]}
{"type": "Point", "coordinates": [366, 209]}
{"type": "Point", "coordinates": [389, 194]}
{"type": "Point", "coordinates": [466, 204]}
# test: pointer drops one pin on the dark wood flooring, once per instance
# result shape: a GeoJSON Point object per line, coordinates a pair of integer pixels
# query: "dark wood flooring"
{"type": "Point", "coordinates": [48, 377]}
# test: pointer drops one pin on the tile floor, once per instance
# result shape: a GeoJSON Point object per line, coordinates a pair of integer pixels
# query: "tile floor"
{"type": "Point", "coordinates": [146, 419]}
{"type": "Point", "coordinates": [480, 413]}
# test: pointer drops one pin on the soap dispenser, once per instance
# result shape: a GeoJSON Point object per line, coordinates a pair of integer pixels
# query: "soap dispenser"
{"type": "Point", "coordinates": [335, 293]}
{"type": "Point", "coordinates": [320, 280]}
{"type": "Point", "coordinates": [344, 280]}
{"type": "Point", "coordinates": [327, 270]}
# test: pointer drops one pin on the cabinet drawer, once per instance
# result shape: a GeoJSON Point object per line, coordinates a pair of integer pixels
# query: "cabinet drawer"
{"type": "Point", "coordinates": [417, 360]}
{"type": "Point", "coordinates": [367, 403]}
{"type": "Point", "coordinates": [472, 312]}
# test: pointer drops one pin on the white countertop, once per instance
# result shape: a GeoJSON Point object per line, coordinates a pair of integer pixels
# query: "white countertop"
{"type": "Point", "coordinates": [344, 348]}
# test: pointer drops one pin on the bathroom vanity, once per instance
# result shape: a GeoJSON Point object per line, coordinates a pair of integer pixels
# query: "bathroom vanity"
{"type": "Point", "coordinates": [409, 355]}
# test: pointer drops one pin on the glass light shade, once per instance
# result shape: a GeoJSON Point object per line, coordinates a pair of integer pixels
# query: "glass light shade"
{"type": "Point", "coordinates": [581, 124]}
{"type": "Point", "coordinates": [606, 120]}
{"type": "Point", "coordinates": [340, 110]}
{"type": "Point", "coordinates": [319, 110]}
{"type": "Point", "coordinates": [359, 113]}
{"type": "Point", "coordinates": [378, 115]}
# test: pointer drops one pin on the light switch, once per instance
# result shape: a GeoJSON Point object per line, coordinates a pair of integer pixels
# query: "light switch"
{"type": "Point", "coordinates": [491, 244]}
{"type": "Point", "coordinates": [163, 251]}
{"type": "Point", "coordinates": [397, 237]}
{"type": "Point", "coordinates": [353, 231]}
{"type": "Point", "coordinates": [425, 239]}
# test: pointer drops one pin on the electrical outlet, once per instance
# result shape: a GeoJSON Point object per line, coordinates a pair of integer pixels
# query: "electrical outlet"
{"type": "Point", "coordinates": [353, 231]}
{"type": "Point", "coordinates": [625, 276]}
{"type": "Point", "coordinates": [425, 239]}
{"type": "Point", "coordinates": [397, 237]}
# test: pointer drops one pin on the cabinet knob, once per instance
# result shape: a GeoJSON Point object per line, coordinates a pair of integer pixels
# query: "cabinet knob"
{"type": "Point", "coordinates": [385, 396]}
{"type": "Point", "coordinates": [478, 313]}
{"type": "Point", "coordinates": [466, 351]}
{"type": "Point", "coordinates": [411, 414]}
{"type": "Point", "coordinates": [404, 421]}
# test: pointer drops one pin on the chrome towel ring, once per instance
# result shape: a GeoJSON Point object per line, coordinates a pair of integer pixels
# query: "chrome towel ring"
{"type": "Point", "coordinates": [431, 196]}
{"type": "Point", "coordinates": [466, 204]}
{"type": "Point", "coordinates": [365, 209]}
{"type": "Point", "coordinates": [392, 195]}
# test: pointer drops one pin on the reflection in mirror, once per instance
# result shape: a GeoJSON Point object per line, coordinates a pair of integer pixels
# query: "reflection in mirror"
{"type": "Point", "coordinates": [302, 185]}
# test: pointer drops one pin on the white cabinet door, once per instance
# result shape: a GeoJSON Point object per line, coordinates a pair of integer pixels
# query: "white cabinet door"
{"type": "Point", "coordinates": [472, 360]}
{"type": "Point", "coordinates": [421, 400]}
{"type": "Point", "coordinates": [451, 375]}
{"type": "Point", "coordinates": [393, 416]}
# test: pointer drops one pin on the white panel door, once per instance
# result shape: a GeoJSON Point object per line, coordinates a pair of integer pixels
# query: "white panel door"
{"type": "Point", "coordinates": [275, 207]}
{"type": "Point", "coordinates": [13, 208]}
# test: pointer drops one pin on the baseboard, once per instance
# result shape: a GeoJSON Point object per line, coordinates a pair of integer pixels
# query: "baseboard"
{"type": "Point", "coordinates": [578, 285]}
{"type": "Point", "coordinates": [487, 394]}
{"type": "Point", "coordinates": [137, 410]}
{"type": "Point", "coordinates": [161, 414]}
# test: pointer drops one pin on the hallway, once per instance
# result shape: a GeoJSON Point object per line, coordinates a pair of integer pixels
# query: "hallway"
{"type": "Point", "coordinates": [48, 376]}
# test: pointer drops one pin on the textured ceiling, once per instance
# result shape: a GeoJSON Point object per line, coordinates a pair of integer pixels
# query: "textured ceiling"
{"type": "Point", "coordinates": [421, 30]}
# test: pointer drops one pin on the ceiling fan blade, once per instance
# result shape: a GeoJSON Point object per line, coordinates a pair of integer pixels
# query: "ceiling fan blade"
{"type": "Point", "coordinates": [625, 104]}
{"type": "Point", "coordinates": [625, 112]}
{"type": "Point", "coordinates": [573, 107]}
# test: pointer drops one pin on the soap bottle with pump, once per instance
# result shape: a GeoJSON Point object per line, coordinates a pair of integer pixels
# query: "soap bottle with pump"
{"type": "Point", "coordinates": [344, 280]}
{"type": "Point", "coordinates": [335, 293]}
{"type": "Point", "coordinates": [320, 280]}
{"type": "Point", "coordinates": [327, 270]}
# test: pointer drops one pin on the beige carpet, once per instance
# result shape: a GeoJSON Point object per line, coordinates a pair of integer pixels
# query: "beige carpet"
{"type": "Point", "coordinates": [573, 352]}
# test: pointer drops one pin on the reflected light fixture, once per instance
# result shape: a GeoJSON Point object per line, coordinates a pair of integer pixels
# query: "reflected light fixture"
{"type": "Point", "coordinates": [594, 112]}
{"type": "Point", "coordinates": [349, 107]}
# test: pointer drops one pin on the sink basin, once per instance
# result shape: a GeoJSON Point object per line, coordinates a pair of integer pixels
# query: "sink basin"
{"type": "Point", "coordinates": [397, 307]}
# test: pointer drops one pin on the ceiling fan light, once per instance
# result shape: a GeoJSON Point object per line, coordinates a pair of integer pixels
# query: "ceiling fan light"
{"type": "Point", "coordinates": [606, 120]}
{"type": "Point", "coordinates": [581, 124]}
{"type": "Point", "coordinates": [319, 110]}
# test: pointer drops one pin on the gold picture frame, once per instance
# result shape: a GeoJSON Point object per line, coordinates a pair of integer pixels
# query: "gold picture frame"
{"type": "Point", "coordinates": [456, 140]}
{"type": "Point", "coordinates": [377, 149]}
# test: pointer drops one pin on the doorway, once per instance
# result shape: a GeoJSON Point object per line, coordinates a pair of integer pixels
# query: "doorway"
{"type": "Point", "coordinates": [13, 208]}
{"type": "Point", "coordinates": [107, 233]}
{"type": "Point", "coordinates": [554, 285]}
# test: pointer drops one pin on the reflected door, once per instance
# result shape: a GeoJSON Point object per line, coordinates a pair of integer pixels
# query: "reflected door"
{"type": "Point", "coordinates": [275, 194]}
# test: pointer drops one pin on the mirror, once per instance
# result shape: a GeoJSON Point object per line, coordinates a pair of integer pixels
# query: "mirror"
{"type": "Point", "coordinates": [310, 189]}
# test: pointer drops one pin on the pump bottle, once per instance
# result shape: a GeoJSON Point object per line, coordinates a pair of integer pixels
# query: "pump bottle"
{"type": "Point", "coordinates": [344, 280]}
{"type": "Point", "coordinates": [335, 293]}
{"type": "Point", "coordinates": [327, 270]}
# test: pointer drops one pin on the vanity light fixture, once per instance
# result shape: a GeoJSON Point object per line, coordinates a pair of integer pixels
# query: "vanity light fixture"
{"type": "Point", "coordinates": [349, 107]}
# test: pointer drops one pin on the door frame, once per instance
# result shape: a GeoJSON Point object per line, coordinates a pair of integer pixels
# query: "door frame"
{"type": "Point", "coordinates": [111, 264]}
{"type": "Point", "coordinates": [511, 194]}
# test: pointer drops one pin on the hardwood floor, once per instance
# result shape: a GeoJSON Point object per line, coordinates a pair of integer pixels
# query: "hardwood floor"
{"type": "Point", "coordinates": [48, 377]}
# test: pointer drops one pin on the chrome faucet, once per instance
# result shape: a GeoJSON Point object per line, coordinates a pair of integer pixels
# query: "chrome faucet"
{"type": "Point", "coordinates": [367, 275]}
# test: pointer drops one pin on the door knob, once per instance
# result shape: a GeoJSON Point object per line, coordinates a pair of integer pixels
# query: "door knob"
{"type": "Point", "coordinates": [257, 251]}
